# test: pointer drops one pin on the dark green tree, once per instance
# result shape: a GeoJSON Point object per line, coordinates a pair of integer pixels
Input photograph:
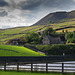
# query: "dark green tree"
{"type": "Point", "coordinates": [32, 38]}
{"type": "Point", "coordinates": [49, 31]}
{"type": "Point", "coordinates": [70, 37]}
{"type": "Point", "coordinates": [62, 31]}
{"type": "Point", "coordinates": [22, 41]}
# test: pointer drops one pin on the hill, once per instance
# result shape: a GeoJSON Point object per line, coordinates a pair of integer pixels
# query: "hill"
{"type": "Point", "coordinates": [12, 33]}
{"type": "Point", "coordinates": [56, 16]}
{"type": "Point", "coordinates": [60, 22]}
{"type": "Point", "coordinates": [8, 50]}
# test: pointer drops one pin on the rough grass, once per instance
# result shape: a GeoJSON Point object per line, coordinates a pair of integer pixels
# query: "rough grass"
{"type": "Point", "coordinates": [8, 50]}
{"type": "Point", "coordinates": [25, 73]}
{"type": "Point", "coordinates": [13, 33]}
{"type": "Point", "coordinates": [63, 23]}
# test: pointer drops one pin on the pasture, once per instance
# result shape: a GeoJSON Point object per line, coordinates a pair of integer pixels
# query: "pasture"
{"type": "Point", "coordinates": [6, 50]}
{"type": "Point", "coordinates": [26, 73]}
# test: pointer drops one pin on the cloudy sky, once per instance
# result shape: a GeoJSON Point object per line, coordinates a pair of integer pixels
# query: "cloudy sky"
{"type": "Point", "coordinates": [15, 13]}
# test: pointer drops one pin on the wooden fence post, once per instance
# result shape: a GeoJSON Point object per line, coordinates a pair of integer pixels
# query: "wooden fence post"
{"type": "Point", "coordinates": [5, 66]}
{"type": "Point", "coordinates": [17, 67]}
{"type": "Point", "coordinates": [46, 67]}
{"type": "Point", "coordinates": [62, 67]}
{"type": "Point", "coordinates": [31, 67]}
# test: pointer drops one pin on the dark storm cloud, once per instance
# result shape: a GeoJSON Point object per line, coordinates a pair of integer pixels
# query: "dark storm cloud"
{"type": "Point", "coordinates": [36, 4]}
{"type": "Point", "coordinates": [3, 3]}
{"type": "Point", "coordinates": [30, 4]}
{"type": "Point", "coordinates": [33, 4]}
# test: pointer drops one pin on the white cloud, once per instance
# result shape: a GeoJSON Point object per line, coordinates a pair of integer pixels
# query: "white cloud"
{"type": "Point", "coordinates": [73, 0]}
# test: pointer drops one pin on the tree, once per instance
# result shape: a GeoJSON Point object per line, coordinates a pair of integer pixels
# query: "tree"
{"type": "Point", "coordinates": [66, 31]}
{"type": "Point", "coordinates": [62, 31]}
{"type": "Point", "coordinates": [70, 37]}
{"type": "Point", "coordinates": [73, 34]}
{"type": "Point", "coordinates": [49, 31]}
{"type": "Point", "coordinates": [22, 41]}
{"type": "Point", "coordinates": [74, 37]}
{"type": "Point", "coordinates": [32, 38]}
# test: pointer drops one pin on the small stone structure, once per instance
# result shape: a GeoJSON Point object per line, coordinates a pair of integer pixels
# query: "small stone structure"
{"type": "Point", "coordinates": [47, 39]}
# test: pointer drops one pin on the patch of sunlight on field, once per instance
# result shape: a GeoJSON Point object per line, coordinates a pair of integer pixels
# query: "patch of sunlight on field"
{"type": "Point", "coordinates": [8, 50]}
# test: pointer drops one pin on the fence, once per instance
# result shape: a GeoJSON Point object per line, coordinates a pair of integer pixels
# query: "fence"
{"type": "Point", "coordinates": [39, 67]}
{"type": "Point", "coordinates": [39, 64]}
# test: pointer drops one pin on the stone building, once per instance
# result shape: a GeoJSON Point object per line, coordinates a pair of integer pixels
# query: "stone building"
{"type": "Point", "coordinates": [47, 39]}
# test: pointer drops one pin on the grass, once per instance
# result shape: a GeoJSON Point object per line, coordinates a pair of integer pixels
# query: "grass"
{"type": "Point", "coordinates": [25, 73]}
{"type": "Point", "coordinates": [16, 30]}
{"type": "Point", "coordinates": [8, 50]}
{"type": "Point", "coordinates": [63, 23]}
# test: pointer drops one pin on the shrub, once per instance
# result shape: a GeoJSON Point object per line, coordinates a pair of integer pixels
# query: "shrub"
{"type": "Point", "coordinates": [57, 49]}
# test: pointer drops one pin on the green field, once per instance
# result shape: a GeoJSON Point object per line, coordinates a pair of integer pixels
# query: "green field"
{"type": "Point", "coordinates": [25, 73]}
{"type": "Point", "coordinates": [8, 50]}
{"type": "Point", "coordinates": [64, 23]}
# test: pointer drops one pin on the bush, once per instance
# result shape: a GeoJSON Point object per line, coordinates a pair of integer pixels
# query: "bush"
{"type": "Point", "coordinates": [70, 37]}
{"type": "Point", "coordinates": [57, 49]}
{"type": "Point", "coordinates": [49, 31]}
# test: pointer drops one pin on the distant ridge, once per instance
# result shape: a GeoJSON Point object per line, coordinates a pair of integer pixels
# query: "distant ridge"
{"type": "Point", "coordinates": [56, 16]}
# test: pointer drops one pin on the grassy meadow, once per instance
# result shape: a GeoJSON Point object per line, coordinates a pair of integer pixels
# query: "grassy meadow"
{"type": "Point", "coordinates": [8, 50]}
{"type": "Point", "coordinates": [64, 23]}
{"type": "Point", "coordinates": [26, 73]}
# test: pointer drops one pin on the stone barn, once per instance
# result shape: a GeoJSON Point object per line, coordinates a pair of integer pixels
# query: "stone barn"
{"type": "Point", "coordinates": [47, 39]}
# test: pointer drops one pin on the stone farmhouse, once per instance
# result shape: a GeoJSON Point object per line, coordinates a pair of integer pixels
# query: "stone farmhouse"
{"type": "Point", "coordinates": [47, 39]}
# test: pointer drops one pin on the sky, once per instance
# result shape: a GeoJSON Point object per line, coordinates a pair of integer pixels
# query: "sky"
{"type": "Point", "coordinates": [15, 13]}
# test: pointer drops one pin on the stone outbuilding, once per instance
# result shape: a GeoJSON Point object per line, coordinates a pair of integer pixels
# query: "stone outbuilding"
{"type": "Point", "coordinates": [47, 39]}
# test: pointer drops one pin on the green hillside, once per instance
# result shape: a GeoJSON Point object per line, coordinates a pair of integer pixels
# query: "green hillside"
{"type": "Point", "coordinates": [64, 23]}
{"type": "Point", "coordinates": [7, 34]}
{"type": "Point", "coordinates": [8, 50]}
